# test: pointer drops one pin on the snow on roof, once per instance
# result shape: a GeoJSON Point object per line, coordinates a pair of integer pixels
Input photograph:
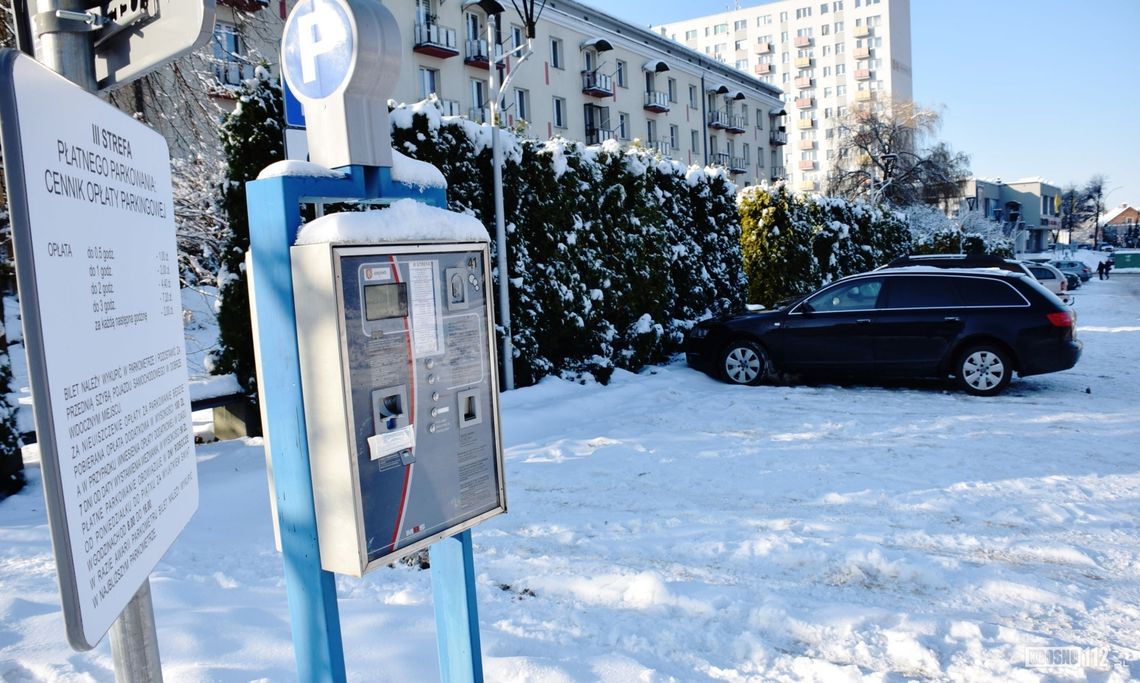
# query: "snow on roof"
{"type": "Point", "coordinates": [404, 220]}
{"type": "Point", "coordinates": [1112, 213]}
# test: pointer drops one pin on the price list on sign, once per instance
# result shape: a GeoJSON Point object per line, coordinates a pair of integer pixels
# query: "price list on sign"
{"type": "Point", "coordinates": [92, 210]}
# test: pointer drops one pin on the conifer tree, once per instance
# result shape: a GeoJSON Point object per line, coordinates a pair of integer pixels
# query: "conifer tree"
{"type": "Point", "coordinates": [252, 138]}
{"type": "Point", "coordinates": [11, 462]}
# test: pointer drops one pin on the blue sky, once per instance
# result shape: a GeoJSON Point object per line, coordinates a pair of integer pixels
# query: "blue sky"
{"type": "Point", "coordinates": [1047, 88]}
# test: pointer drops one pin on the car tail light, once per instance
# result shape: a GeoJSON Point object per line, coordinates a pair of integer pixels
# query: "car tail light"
{"type": "Point", "coordinates": [1061, 319]}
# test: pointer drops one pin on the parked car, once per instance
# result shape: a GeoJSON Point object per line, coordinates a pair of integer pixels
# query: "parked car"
{"type": "Point", "coordinates": [978, 327]}
{"type": "Point", "coordinates": [960, 261]}
{"type": "Point", "coordinates": [1073, 278]}
{"type": "Point", "coordinates": [1053, 279]}
{"type": "Point", "coordinates": [1078, 267]}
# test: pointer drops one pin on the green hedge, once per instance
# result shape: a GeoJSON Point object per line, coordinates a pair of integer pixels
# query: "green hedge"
{"type": "Point", "coordinates": [612, 253]}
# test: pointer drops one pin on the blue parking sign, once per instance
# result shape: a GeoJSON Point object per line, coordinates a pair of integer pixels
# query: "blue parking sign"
{"type": "Point", "coordinates": [317, 48]}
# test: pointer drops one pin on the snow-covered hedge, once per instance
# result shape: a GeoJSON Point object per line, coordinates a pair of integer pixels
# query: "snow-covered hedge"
{"type": "Point", "coordinates": [793, 244]}
{"type": "Point", "coordinates": [612, 253]}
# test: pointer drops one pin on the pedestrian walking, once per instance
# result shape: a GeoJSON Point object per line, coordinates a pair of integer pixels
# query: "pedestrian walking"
{"type": "Point", "coordinates": [1100, 270]}
{"type": "Point", "coordinates": [1107, 269]}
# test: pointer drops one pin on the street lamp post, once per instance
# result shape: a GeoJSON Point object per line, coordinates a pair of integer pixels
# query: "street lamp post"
{"type": "Point", "coordinates": [493, 9]}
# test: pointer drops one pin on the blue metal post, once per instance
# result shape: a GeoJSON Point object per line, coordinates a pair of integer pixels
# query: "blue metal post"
{"type": "Point", "coordinates": [274, 218]}
{"type": "Point", "coordinates": [456, 611]}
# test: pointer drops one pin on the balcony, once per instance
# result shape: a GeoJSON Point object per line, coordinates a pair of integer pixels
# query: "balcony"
{"type": "Point", "coordinates": [804, 62]}
{"type": "Point", "coordinates": [807, 122]}
{"type": "Point", "coordinates": [778, 137]}
{"type": "Point", "coordinates": [449, 108]}
{"type": "Point", "coordinates": [807, 144]}
{"type": "Point", "coordinates": [805, 102]}
{"type": "Point", "coordinates": [778, 173]}
{"type": "Point", "coordinates": [862, 74]}
{"type": "Point", "coordinates": [804, 82]}
{"type": "Point", "coordinates": [477, 54]}
{"type": "Point", "coordinates": [762, 69]}
{"type": "Point", "coordinates": [763, 48]}
{"type": "Point", "coordinates": [864, 96]}
{"type": "Point", "coordinates": [662, 147]}
{"type": "Point", "coordinates": [435, 40]}
{"type": "Point", "coordinates": [479, 114]}
{"type": "Point", "coordinates": [597, 84]}
{"type": "Point", "coordinates": [733, 164]}
{"type": "Point", "coordinates": [862, 31]}
{"type": "Point", "coordinates": [656, 102]}
{"type": "Point", "coordinates": [807, 185]}
{"type": "Point", "coordinates": [807, 165]}
{"type": "Point", "coordinates": [596, 136]}
{"type": "Point", "coordinates": [862, 53]}
{"type": "Point", "coordinates": [717, 120]}
{"type": "Point", "coordinates": [803, 41]}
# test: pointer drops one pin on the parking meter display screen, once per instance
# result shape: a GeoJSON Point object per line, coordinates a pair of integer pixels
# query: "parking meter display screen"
{"type": "Point", "coordinates": [385, 301]}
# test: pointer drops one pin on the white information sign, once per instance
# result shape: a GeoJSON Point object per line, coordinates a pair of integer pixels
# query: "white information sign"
{"type": "Point", "coordinates": [92, 209]}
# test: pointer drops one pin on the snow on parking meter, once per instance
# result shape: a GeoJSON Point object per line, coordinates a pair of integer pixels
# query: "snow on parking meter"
{"type": "Point", "coordinates": [399, 380]}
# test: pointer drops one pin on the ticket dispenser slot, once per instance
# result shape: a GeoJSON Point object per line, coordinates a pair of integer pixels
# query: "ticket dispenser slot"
{"type": "Point", "coordinates": [401, 396]}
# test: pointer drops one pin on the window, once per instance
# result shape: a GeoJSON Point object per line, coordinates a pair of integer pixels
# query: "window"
{"type": "Point", "coordinates": [839, 27]}
{"type": "Point", "coordinates": [783, 36]}
{"type": "Point", "coordinates": [517, 37]}
{"type": "Point", "coordinates": [693, 96]}
{"type": "Point", "coordinates": [672, 85]}
{"type": "Point", "coordinates": [859, 295]}
{"type": "Point", "coordinates": [825, 29]}
{"type": "Point", "coordinates": [474, 26]}
{"type": "Point", "coordinates": [839, 48]}
{"type": "Point", "coordinates": [741, 44]}
{"type": "Point", "coordinates": [522, 104]}
{"type": "Point", "coordinates": [620, 74]}
{"type": "Point", "coordinates": [837, 6]}
{"type": "Point", "coordinates": [695, 141]}
{"type": "Point", "coordinates": [826, 50]}
{"type": "Point", "coordinates": [720, 28]}
{"type": "Point", "coordinates": [840, 90]}
{"type": "Point", "coordinates": [739, 24]}
{"type": "Point", "coordinates": [823, 8]}
{"type": "Point", "coordinates": [429, 81]}
{"type": "Point", "coordinates": [230, 67]}
{"type": "Point", "coordinates": [759, 118]}
{"type": "Point", "coordinates": [556, 53]}
{"type": "Point", "coordinates": [840, 69]}
{"type": "Point", "coordinates": [783, 17]}
{"type": "Point", "coordinates": [803, 13]}
{"type": "Point", "coordinates": [744, 153]}
{"type": "Point", "coordinates": [744, 115]}
{"type": "Point", "coordinates": [623, 126]}
{"type": "Point", "coordinates": [559, 112]}
{"type": "Point", "coordinates": [691, 34]}
{"type": "Point", "coordinates": [674, 137]}
{"type": "Point", "coordinates": [984, 291]}
{"type": "Point", "coordinates": [651, 132]}
{"type": "Point", "coordinates": [803, 32]}
{"type": "Point", "coordinates": [765, 20]}
{"type": "Point", "coordinates": [478, 99]}
{"type": "Point", "coordinates": [921, 291]}
{"type": "Point", "coordinates": [742, 64]}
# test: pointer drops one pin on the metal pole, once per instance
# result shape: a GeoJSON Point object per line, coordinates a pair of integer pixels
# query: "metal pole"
{"type": "Point", "coordinates": [500, 227]}
{"type": "Point", "coordinates": [69, 53]}
{"type": "Point", "coordinates": [134, 643]}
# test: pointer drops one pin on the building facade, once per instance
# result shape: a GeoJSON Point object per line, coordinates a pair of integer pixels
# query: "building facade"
{"type": "Point", "coordinates": [593, 77]}
{"type": "Point", "coordinates": [1028, 210]}
{"type": "Point", "coordinates": [828, 57]}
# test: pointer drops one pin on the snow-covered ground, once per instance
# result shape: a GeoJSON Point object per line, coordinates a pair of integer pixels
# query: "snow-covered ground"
{"type": "Point", "coordinates": [670, 527]}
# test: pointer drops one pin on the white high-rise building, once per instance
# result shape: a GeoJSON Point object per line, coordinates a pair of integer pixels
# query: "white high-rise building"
{"type": "Point", "coordinates": [827, 57]}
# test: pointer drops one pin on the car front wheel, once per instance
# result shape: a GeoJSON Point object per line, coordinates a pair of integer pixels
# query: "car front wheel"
{"type": "Point", "coordinates": [984, 370]}
{"type": "Point", "coordinates": [744, 362]}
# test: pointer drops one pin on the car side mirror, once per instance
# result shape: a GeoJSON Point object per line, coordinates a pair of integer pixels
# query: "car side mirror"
{"type": "Point", "coordinates": [806, 308]}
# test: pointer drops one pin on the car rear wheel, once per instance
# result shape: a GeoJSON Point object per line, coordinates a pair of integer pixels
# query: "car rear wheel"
{"type": "Point", "coordinates": [984, 370]}
{"type": "Point", "coordinates": [744, 362]}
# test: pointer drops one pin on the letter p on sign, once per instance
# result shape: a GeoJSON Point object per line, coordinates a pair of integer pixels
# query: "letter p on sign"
{"type": "Point", "coordinates": [317, 50]}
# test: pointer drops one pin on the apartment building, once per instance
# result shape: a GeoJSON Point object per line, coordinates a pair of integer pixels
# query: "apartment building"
{"type": "Point", "coordinates": [593, 77]}
{"type": "Point", "coordinates": [828, 57]}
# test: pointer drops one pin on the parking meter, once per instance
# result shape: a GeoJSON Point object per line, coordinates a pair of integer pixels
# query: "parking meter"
{"type": "Point", "coordinates": [398, 375]}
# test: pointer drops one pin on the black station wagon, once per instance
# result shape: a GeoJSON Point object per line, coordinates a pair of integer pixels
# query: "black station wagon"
{"type": "Point", "coordinates": [978, 326]}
